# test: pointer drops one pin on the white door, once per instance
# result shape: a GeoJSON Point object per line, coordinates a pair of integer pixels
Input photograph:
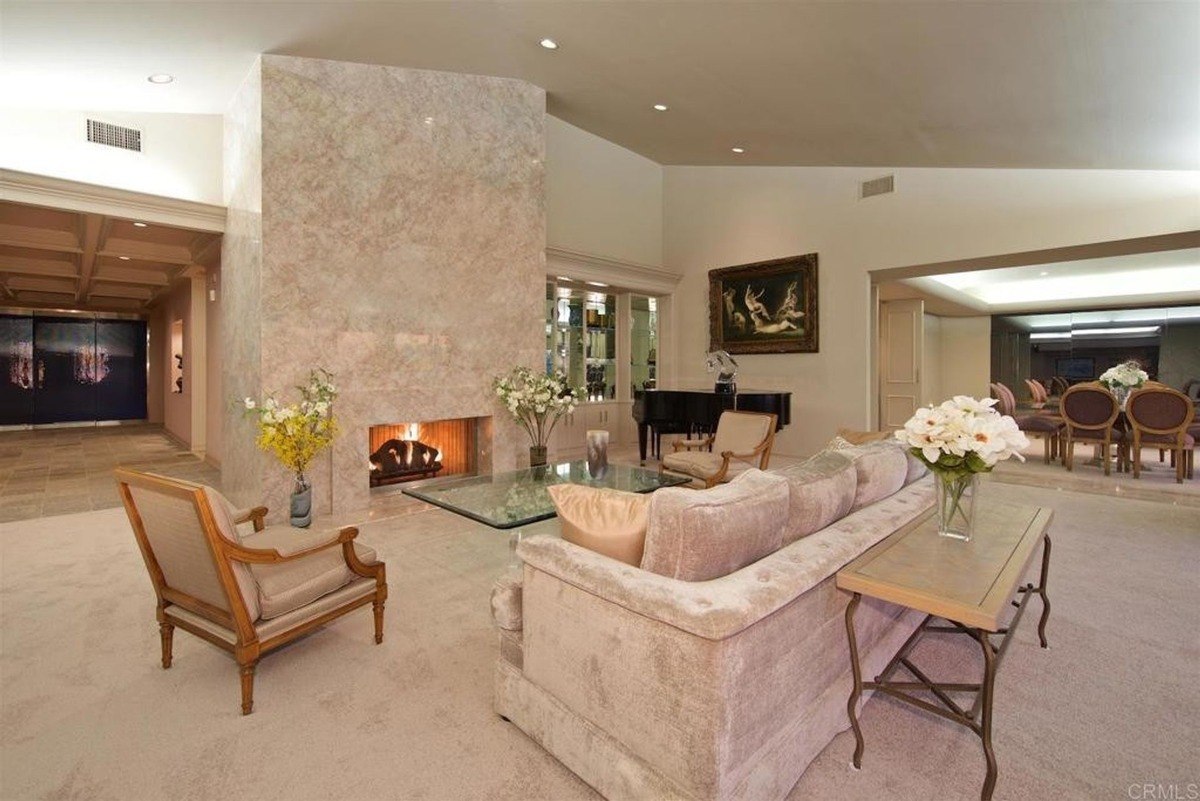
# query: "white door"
{"type": "Point", "coordinates": [901, 353]}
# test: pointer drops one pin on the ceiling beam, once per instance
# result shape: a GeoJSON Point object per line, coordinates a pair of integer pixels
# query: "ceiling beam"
{"type": "Point", "coordinates": [126, 275]}
{"type": "Point", "coordinates": [121, 291]}
{"type": "Point", "coordinates": [21, 236]}
{"type": "Point", "coordinates": [56, 285]}
{"type": "Point", "coordinates": [92, 231]}
{"type": "Point", "coordinates": [147, 251]}
{"type": "Point", "coordinates": [23, 265]}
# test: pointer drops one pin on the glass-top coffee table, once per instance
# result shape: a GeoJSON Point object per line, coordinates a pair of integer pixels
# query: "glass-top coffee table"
{"type": "Point", "coordinates": [508, 500]}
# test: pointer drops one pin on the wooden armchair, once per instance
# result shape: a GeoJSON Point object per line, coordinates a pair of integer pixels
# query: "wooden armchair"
{"type": "Point", "coordinates": [742, 440]}
{"type": "Point", "coordinates": [246, 588]}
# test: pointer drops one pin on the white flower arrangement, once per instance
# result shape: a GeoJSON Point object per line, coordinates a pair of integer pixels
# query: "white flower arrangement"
{"type": "Point", "coordinates": [1127, 375]}
{"type": "Point", "coordinates": [963, 435]}
{"type": "Point", "coordinates": [536, 400]}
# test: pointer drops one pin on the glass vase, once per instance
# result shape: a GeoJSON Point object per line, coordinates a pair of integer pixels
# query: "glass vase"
{"type": "Point", "coordinates": [537, 455]}
{"type": "Point", "coordinates": [955, 505]}
{"type": "Point", "coordinates": [597, 453]}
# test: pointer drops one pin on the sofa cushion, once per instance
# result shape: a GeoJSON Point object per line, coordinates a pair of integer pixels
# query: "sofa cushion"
{"type": "Point", "coordinates": [285, 587]}
{"type": "Point", "coordinates": [820, 492]}
{"type": "Point", "coordinates": [882, 469]}
{"type": "Point", "coordinates": [697, 535]}
{"type": "Point", "coordinates": [603, 520]}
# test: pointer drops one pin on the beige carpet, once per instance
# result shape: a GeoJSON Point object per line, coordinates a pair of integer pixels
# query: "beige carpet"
{"type": "Point", "coordinates": [86, 713]}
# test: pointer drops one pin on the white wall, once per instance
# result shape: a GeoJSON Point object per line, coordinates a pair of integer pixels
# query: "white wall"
{"type": "Point", "coordinates": [180, 158]}
{"type": "Point", "coordinates": [720, 216]}
{"type": "Point", "coordinates": [965, 351]}
{"type": "Point", "coordinates": [601, 199]}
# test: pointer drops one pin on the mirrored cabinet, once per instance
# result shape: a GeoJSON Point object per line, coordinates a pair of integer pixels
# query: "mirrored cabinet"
{"type": "Point", "coordinates": [605, 340]}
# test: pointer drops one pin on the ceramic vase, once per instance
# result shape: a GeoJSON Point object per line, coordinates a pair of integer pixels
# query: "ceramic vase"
{"type": "Point", "coordinates": [955, 504]}
{"type": "Point", "coordinates": [301, 508]}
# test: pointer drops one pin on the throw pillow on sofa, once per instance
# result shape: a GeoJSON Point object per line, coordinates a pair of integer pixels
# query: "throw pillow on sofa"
{"type": "Point", "coordinates": [821, 492]}
{"type": "Point", "coordinates": [603, 520]}
{"type": "Point", "coordinates": [697, 535]}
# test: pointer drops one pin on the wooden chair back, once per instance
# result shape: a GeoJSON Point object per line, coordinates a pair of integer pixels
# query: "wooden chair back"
{"type": "Point", "coordinates": [1159, 410]}
{"type": "Point", "coordinates": [182, 530]}
{"type": "Point", "coordinates": [1089, 407]}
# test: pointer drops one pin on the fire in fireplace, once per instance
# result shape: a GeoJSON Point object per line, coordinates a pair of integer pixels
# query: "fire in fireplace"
{"type": "Point", "coordinates": [411, 451]}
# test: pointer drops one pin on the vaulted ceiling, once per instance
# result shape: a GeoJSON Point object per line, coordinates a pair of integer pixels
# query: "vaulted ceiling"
{"type": "Point", "coordinates": [50, 258]}
{"type": "Point", "coordinates": [1045, 84]}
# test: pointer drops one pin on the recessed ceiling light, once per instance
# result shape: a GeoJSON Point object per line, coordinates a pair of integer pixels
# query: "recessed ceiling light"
{"type": "Point", "coordinates": [594, 283]}
{"type": "Point", "coordinates": [564, 278]}
{"type": "Point", "coordinates": [549, 44]}
{"type": "Point", "coordinates": [160, 77]}
{"type": "Point", "coordinates": [1043, 272]}
{"type": "Point", "coordinates": [661, 107]}
{"type": "Point", "coordinates": [738, 149]}
{"type": "Point", "coordinates": [123, 258]}
{"type": "Point", "coordinates": [429, 120]}
{"type": "Point", "coordinates": [139, 225]}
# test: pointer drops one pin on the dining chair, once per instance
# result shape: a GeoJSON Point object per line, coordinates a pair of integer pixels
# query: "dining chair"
{"type": "Point", "coordinates": [247, 588]}
{"type": "Point", "coordinates": [1161, 416]}
{"type": "Point", "coordinates": [1037, 393]}
{"type": "Point", "coordinates": [1047, 427]}
{"type": "Point", "coordinates": [1089, 411]}
{"type": "Point", "coordinates": [742, 440]}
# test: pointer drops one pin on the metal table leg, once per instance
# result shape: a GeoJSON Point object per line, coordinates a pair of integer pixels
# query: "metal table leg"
{"type": "Point", "coordinates": [985, 722]}
{"type": "Point", "coordinates": [856, 669]}
{"type": "Point", "coordinates": [1041, 590]}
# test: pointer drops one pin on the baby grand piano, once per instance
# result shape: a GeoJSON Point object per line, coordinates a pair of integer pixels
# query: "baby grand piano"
{"type": "Point", "coordinates": [670, 411]}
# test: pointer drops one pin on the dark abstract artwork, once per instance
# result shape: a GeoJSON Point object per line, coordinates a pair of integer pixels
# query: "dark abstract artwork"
{"type": "Point", "coordinates": [765, 307]}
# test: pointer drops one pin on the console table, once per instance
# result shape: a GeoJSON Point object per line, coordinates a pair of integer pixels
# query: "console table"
{"type": "Point", "coordinates": [971, 586]}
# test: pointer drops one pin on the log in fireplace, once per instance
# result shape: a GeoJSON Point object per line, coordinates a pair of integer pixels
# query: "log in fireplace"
{"type": "Point", "coordinates": [410, 451]}
{"type": "Point", "coordinates": [403, 460]}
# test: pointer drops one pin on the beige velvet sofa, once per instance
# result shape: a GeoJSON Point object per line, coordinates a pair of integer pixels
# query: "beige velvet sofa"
{"type": "Point", "coordinates": [653, 687]}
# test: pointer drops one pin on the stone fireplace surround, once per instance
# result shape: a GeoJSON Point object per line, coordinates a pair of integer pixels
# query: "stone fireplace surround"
{"type": "Point", "coordinates": [387, 224]}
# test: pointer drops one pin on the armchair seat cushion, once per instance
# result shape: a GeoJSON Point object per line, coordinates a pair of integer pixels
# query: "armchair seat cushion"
{"type": "Point", "coordinates": [285, 587]}
{"type": "Point", "coordinates": [1166, 439]}
{"type": "Point", "coordinates": [702, 464]}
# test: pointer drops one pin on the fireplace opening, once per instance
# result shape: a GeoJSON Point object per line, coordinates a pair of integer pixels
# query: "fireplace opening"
{"type": "Point", "coordinates": [432, 449]}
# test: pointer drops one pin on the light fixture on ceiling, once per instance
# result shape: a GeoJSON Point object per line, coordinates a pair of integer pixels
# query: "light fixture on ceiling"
{"type": "Point", "coordinates": [1043, 273]}
{"type": "Point", "coordinates": [428, 120]}
{"type": "Point", "coordinates": [1095, 332]}
{"type": "Point", "coordinates": [123, 258]}
{"type": "Point", "coordinates": [549, 44]}
{"type": "Point", "coordinates": [738, 150]}
{"type": "Point", "coordinates": [661, 107]}
{"type": "Point", "coordinates": [140, 225]}
{"type": "Point", "coordinates": [594, 283]}
{"type": "Point", "coordinates": [564, 277]}
{"type": "Point", "coordinates": [1099, 332]}
{"type": "Point", "coordinates": [161, 78]}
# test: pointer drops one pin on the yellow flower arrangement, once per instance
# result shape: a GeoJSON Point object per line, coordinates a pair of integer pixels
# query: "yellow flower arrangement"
{"type": "Point", "coordinates": [296, 433]}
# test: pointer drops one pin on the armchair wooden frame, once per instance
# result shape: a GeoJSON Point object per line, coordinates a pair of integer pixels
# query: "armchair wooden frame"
{"type": "Point", "coordinates": [1182, 457]}
{"type": "Point", "coordinates": [1068, 435]}
{"type": "Point", "coordinates": [247, 649]}
{"type": "Point", "coordinates": [762, 453]}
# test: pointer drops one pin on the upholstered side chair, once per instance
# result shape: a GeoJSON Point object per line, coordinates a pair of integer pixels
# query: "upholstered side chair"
{"type": "Point", "coordinates": [742, 440]}
{"type": "Point", "coordinates": [1089, 412]}
{"type": "Point", "coordinates": [223, 576]}
{"type": "Point", "coordinates": [1046, 426]}
{"type": "Point", "coordinates": [1161, 416]}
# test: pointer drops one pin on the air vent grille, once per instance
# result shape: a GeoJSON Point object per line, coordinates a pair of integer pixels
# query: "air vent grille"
{"type": "Point", "coordinates": [105, 133]}
{"type": "Point", "coordinates": [878, 186]}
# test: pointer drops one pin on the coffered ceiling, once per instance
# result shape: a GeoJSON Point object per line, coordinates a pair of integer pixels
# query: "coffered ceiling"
{"type": "Point", "coordinates": [1056, 83]}
{"type": "Point", "coordinates": [51, 258]}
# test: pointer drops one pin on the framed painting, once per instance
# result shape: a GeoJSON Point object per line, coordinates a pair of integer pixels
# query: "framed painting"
{"type": "Point", "coordinates": [765, 307]}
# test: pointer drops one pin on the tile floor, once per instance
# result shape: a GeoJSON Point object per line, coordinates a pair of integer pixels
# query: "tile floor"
{"type": "Point", "coordinates": [59, 471]}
